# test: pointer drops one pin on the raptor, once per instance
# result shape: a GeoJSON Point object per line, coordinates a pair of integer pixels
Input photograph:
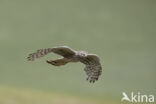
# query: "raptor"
{"type": "Point", "coordinates": [92, 63]}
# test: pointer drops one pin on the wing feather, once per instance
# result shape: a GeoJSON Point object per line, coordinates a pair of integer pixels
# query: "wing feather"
{"type": "Point", "coordinates": [93, 67]}
{"type": "Point", "coordinates": [63, 51]}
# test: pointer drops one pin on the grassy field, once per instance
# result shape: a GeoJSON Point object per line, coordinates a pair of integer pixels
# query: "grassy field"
{"type": "Point", "coordinates": [29, 96]}
{"type": "Point", "coordinates": [120, 32]}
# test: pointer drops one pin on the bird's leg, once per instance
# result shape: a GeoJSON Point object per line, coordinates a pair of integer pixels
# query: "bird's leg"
{"type": "Point", "coordinates": [58, 62]}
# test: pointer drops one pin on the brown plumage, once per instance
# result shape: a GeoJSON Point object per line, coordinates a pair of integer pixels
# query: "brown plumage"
{"type": "Point", "coordinates": [92, 68]}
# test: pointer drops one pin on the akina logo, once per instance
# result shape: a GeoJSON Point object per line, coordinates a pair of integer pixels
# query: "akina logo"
{"type": "Point", "coordinates": [137, 97]}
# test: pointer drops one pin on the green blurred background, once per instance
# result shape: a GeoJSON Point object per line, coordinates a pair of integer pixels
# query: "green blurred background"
{"type": "Point", "coordinates": [121, 32]}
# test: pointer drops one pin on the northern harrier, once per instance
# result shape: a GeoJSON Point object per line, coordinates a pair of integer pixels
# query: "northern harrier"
{"type": "Point", "coordinates": [92, 68]}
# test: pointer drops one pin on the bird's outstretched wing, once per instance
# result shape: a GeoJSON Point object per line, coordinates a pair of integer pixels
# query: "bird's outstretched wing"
{"type": "Point", "coordinates": [93, 67]}
{"type": "Point", "coordinates": [61, 50]}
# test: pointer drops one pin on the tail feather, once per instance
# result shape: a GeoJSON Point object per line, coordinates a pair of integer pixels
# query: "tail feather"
{"type": "Point", "coordinates": [39, 53]}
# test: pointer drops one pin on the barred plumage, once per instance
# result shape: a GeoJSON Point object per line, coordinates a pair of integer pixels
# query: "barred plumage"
{"type": "Point", "coordinates": [93, 67]}
{"type": "Point", "coordinates": [39, 53]}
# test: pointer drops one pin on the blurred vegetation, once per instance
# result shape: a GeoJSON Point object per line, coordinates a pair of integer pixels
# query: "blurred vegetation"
{"type": "Point", "coordinates": [121, 32]}
{"type": "Point", "coordinates": [25, 96]}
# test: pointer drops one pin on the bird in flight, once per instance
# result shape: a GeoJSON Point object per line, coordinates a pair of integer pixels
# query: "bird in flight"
{"type": "Point", "coordinates": [92, 63]}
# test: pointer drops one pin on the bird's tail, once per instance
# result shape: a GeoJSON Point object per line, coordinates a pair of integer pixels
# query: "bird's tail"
{"type": "Point", "coordinates": [39, 53]}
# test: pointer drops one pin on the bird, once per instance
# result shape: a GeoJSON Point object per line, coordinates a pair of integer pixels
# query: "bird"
{"type": "Point", "coordinates": [93, 68]}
